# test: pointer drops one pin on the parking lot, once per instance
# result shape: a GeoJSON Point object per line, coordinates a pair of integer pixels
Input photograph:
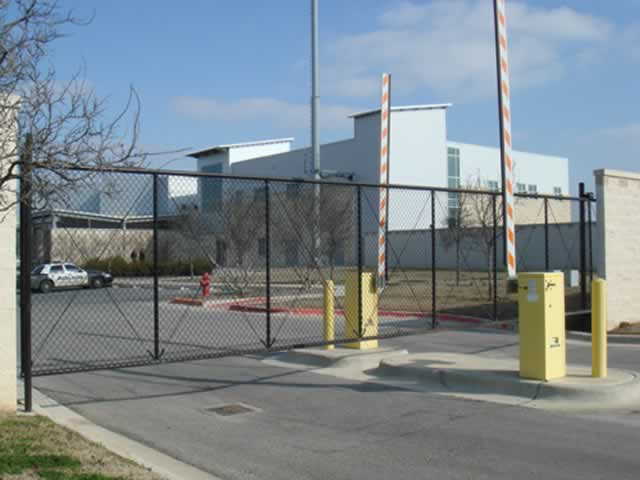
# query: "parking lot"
{"type": "Point", "coordinates": [80, 329]}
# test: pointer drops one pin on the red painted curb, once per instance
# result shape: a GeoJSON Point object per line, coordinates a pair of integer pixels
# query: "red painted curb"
{"type": "Point", "coordinates": [386, 313]}
{"type": "Point", "coordinates": [188, 301]}
{"type": "Point", "coordinates": [255, 309]}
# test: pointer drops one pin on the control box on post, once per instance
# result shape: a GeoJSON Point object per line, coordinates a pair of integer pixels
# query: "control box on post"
{"type": "Point", "coordinates": [541, 310]}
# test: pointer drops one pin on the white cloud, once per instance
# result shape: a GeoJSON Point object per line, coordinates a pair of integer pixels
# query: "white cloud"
{"type": "Point", "coordinates": [260, 109]}
{"type": "Point", "coordinates": [626, 133]}
{"type": "Point", "coordinates": [448, 47]}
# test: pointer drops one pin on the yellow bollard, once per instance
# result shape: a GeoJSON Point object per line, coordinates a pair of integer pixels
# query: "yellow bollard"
{"type": "Point", "coordinates": [363, 324]}
{"type": "Point", "coordinates": [599, 328]}
{"type": "Point", "coordinates": [328, 314]}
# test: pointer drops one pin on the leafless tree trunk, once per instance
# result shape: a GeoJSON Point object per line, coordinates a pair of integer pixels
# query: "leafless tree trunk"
{"type": "Point", "coordinates": [244, 225]}
{"type": "Point", "coordinates": [474, 221]}
{"type": "Point", "coordinates": [458, 229]}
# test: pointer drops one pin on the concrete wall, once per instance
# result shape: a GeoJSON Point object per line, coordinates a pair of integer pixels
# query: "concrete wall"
{"type": "Point", "coordinates": [412, 249]}
{"type": "Point", "coordinates": [8, 334]}
{"type": "Point", "coordinates": [78, 245]}
{"type": "Point", "coordinates": [618, 195]}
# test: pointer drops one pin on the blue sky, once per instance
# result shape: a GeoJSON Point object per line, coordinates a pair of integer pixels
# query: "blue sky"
{"type": "Point", "coordinates": [221, 71]}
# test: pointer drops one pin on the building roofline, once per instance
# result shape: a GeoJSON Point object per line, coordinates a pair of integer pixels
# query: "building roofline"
{"type": "Point", "coordinates": [91, 215]}
{"type": "Point", "coordinates": [496, 147]}
{"type": "Point", "coordinates": [404, 109]}
{"type": "Point", "coordinates": [223, 148]}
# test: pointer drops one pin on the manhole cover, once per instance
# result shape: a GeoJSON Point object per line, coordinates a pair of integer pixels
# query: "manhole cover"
{"type": "Point", "coordinates": [231, 409]}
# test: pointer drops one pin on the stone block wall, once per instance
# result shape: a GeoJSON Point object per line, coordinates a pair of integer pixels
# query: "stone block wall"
{"type": "Point", "coordinates": [618, 232]}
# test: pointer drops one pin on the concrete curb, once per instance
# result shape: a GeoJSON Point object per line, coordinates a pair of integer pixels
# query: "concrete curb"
{"type": "Point", "coordinates": [612, 339]}
{"type": "Point", "coordinates": [158, 462]}
{"type": "Point", "coordinates": [576, 392]}
{"type": "Point", "coordinates": [339, 357]}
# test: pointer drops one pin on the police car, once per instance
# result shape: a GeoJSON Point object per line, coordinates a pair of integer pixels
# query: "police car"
{"type": "Point", "coordinates": [48, 276]}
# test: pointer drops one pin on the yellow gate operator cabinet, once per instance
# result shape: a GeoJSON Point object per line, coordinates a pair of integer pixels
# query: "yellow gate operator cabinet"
{"type": "Point", "coordinates": [542, 325]}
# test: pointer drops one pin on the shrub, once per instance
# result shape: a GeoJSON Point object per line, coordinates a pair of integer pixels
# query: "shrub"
{"type": "Point", "coordinates": [121, 267]}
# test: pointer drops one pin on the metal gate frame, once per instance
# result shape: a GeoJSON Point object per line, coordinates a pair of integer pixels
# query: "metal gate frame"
{"type": "Point", "coordinates": [156, 355]}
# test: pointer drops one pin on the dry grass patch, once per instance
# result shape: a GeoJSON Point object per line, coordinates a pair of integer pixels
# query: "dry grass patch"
{"type": "Point", "coordinates": [35, 448]}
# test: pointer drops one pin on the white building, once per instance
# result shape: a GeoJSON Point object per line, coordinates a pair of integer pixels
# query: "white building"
{"type": "Point", "coordinates": [420, 155]}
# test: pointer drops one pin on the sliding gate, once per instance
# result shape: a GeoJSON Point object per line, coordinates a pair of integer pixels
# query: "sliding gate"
{"type": "Point", "coordinates": [267, 247]}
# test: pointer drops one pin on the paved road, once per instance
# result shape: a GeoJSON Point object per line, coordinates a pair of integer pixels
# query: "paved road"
{"type": "Point", "coordinates": [310, 426]}
{"type": "Point", "coordinates": [115, 326]}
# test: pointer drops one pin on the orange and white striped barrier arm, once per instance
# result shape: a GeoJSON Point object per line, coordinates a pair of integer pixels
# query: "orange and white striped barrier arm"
{"type": "Point", "coordinates": [507, 147]}
{"type": "Point", "coordinates": [385, 118]}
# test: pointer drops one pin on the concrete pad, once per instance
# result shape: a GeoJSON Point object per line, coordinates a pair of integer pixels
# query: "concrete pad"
{"type": "Point", "coordinates": [339, 357]}
{"type": "Point", "coordinates": [497, 380]}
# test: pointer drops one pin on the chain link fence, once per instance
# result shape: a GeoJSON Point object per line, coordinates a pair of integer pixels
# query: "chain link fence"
{"type": "Point", "coordinates": [265, 249]}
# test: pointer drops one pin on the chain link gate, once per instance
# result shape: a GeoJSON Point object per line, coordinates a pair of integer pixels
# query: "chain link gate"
{"type": "Point", "coordinates": [269, 245]}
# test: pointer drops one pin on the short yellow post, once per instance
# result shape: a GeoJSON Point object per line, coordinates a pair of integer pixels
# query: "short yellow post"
{"type": "Point", "coordinates": [599, 328]}
{"type": "Point", "coordinates": [328, 314]}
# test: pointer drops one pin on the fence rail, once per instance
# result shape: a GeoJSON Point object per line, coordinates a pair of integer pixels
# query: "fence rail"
{"type": "Point", "coordinates": [269, 244]}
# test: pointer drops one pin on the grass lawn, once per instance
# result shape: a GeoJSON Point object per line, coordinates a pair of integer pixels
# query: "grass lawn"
{"type": "Point", "coordinates": [410, 290]}
{"type": "Point", "coordinates": [33, 447]}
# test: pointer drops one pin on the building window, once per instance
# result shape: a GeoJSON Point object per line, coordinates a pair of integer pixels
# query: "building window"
{"type": "Point", "coordinates": [453, 181]}
{"type": "Point", "coordinates": [262, 247]}
{"type": "Point", "coordinates": [521, 188]}
{"type": "Point", "coordinates": [533, 189]}
{"type": "Point", "coordinates": [557, 191]}
{"type": "Point", "coordinates": [492, 185]}
{"type": "Point", "coordinates": [453, 156]}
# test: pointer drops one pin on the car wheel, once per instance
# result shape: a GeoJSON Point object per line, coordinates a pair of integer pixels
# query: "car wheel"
{"type": "Point", "coordinates": [97, 283]}
{"type": "Point", "coordinates": [46, 286]}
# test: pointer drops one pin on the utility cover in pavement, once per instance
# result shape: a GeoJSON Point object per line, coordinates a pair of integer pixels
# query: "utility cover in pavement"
{"type": "Point", "coordinates": [231, 409]}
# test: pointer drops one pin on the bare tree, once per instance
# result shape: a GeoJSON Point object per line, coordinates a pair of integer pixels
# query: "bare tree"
{"type": "Point", "coordinates": [456, 230]}
{"type": "Point", "coordinates": [65, 120]}
{"type": "Point", "coordinates": [321, 242]}
{"type": "Point", "coordinates": [473, 221]}
{"type": "Point", "coordinates": [185, 222]}
{"type": "Point", "coordinates": [336, 223]}
{"type": "Point", "coordinates": [244, 225]}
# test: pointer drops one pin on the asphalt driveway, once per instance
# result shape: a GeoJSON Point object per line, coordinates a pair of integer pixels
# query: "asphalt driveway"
{"type": "Point", "coordinates": [302, 425]}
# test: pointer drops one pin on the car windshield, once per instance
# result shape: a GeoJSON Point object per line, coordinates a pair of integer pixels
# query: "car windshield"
{"type": "Point", "coordinates": [37, 270]}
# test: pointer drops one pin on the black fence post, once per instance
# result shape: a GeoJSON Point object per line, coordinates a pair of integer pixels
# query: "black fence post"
{"type": "Point", "coordinates": [359, 246]}
{"type": "Point", "coordinates": [434, 321]}
{"type": "Point", "coordinates": [583, 249]}
{"type": "Point", "coordinates": [495, 257]}
{"type": "Point", "coordinates": [156, 297]}
{"type": "Point", "coordinates": [267, 216]}
{"type": "Point", "coordinates": [25, 272]}
{"type": "Point", "coordinates": [546, 235]}
{"type": "Point", "coordinates": [386, 234]}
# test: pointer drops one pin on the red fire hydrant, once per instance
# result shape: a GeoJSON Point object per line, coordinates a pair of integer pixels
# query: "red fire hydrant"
{"type": "Point", "coordinates": [205, 283]}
